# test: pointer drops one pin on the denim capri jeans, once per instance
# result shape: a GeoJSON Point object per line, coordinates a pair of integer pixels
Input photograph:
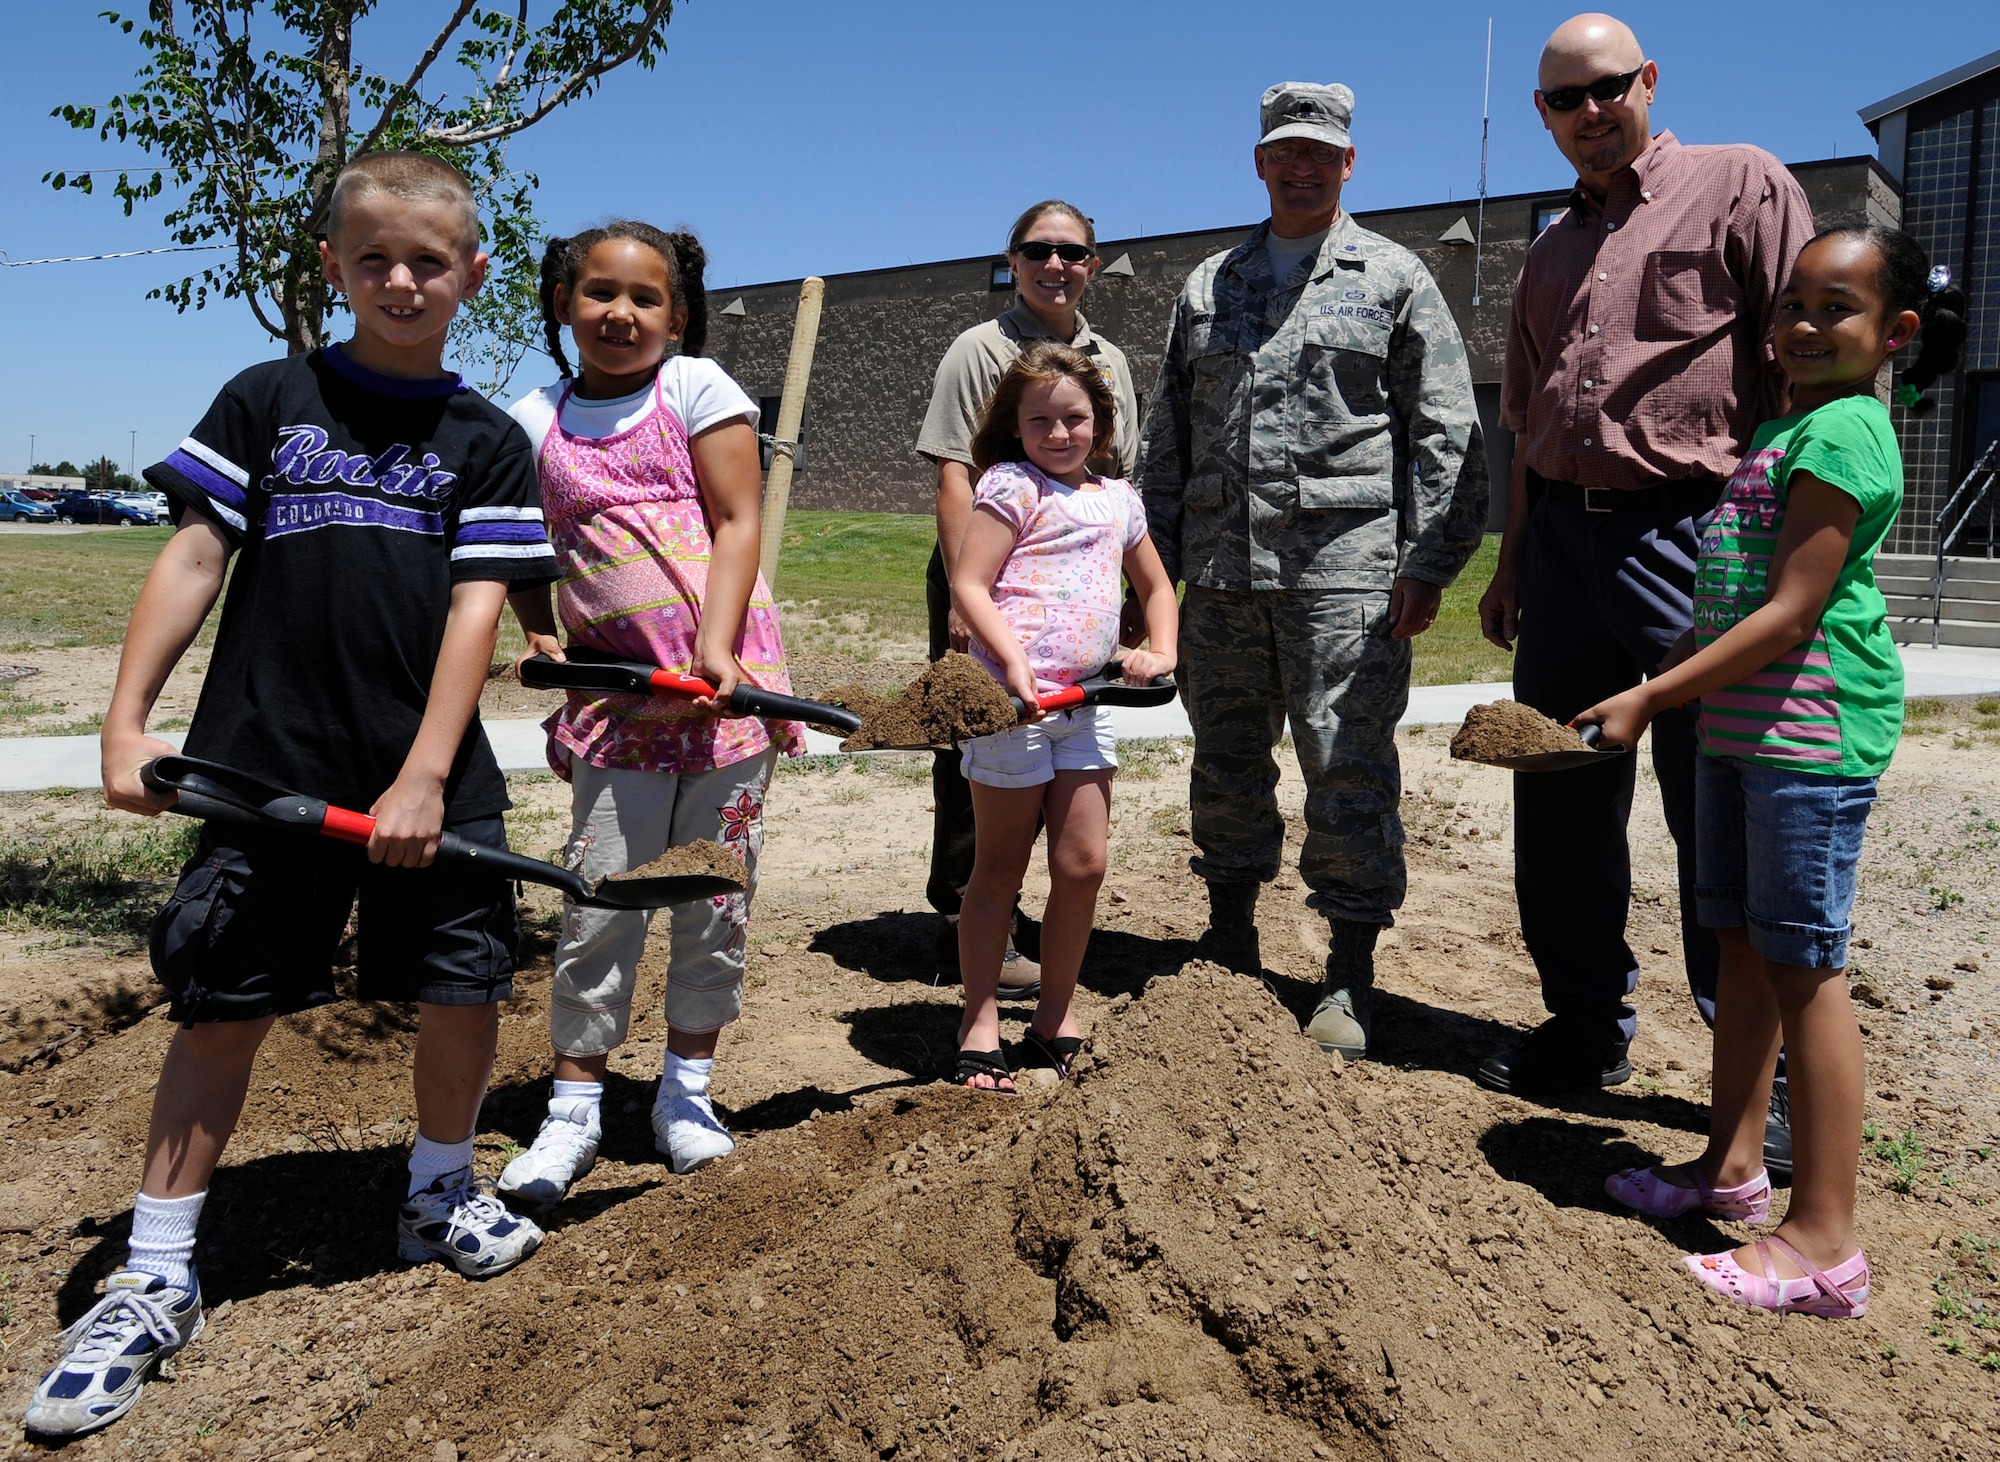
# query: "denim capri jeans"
{"type": "Point", "coordinates": [1776, 852]}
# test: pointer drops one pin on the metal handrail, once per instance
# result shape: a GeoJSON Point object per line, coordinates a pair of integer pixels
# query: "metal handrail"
{"type": "Point", "coordinates": [1985, 472]}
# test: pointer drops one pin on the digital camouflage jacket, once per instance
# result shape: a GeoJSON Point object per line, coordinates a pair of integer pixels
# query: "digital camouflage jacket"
{"type": "Point", "coordinates": [1314, 434]}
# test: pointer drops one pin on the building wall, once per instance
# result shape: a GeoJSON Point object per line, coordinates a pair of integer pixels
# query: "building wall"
{"type": "Point", "coordinates": [882, 332]}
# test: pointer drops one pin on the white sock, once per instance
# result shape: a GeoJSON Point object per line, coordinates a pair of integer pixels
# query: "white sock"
{"type": "Point", "coordinates": [565, 1093]}
{"type": "Point", "coordinates": [689, 1076]}
{"type": "Point", "coordinates": [430, 1161]}
{"type": "Point", "coordinates": [163, 1236]}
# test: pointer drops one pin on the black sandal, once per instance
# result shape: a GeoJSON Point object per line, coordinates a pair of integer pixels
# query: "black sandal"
{"type": "Point", "coordinates": [973, 1064]}
{"type": "Point", "coordinates": [1058, 1053]}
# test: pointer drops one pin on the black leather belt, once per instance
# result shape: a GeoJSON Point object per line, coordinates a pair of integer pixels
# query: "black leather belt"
{"type": "Point", "coordinates": [1695, 493]}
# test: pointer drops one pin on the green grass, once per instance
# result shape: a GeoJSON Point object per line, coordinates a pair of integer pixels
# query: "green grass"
{"type": "Point", "coordinates": [101, 880]}
{"type": "Point", "coordinates": [854, 583]}
{"type": "Point", "coordinates": [73, 588]}
{"type": "Point", "coordinates": [857, 579]}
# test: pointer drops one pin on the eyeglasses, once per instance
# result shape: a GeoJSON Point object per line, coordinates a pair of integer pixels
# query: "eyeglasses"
{"type": "Point", "coordinates": [1037, 251]}
{"type": "Point", "coordinates": [1284, 154]}
{"type": "Point", "coordinates": [1604, 89]}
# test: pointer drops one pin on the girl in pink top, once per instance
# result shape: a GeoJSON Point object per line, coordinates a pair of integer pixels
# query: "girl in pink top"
{"type": "Point", "coordinates": [651, 481]}
{"type": "Point", "coordinates": [1037, 583]}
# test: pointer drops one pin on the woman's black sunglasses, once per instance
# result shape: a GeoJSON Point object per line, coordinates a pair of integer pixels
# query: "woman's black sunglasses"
{"type": "Point", "coordinates": [1604, 89]}
{"type": "Point", "coordinates": [1037, 251]}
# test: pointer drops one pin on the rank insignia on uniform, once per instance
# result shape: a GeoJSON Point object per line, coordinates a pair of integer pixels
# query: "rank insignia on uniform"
{"type": "Point", "coordinates": [1354, 294]}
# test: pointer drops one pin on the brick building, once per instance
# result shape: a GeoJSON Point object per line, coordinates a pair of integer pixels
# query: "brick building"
{"type": "Point", "coordinates": [883, 330]}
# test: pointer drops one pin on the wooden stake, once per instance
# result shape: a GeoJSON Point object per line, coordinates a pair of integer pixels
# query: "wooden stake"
{"type": "Point", "coordinates": [791, 411]}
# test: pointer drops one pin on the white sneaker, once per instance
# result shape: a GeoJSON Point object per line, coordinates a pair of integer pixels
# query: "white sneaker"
{"type": "Point", "coordinates": [563, 1151]}
{"type": "Point", "coordinates": [687, 1130]}
{"type": "Point", "coordinates": [458, 1220]}
{"type": "Point", "coordinates": [113, 1351]}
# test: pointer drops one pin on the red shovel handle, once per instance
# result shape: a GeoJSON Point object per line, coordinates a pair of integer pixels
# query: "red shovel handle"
{"type": "Point", "coordinates": [1063, 699]}
{"type": "Point", "coordinates": [348, 827]}
{"type": "Point", "coordinates": [678, 684]}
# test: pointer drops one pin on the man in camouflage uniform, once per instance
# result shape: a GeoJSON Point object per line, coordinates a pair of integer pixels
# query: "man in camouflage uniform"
{"type": "Point", "coordinates": [1311, 466]}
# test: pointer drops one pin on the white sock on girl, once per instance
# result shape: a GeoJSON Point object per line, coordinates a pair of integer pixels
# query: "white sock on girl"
{"type": "Point", "coordinates": [430, 1161]}
{"type": "Point", "coordinates": [163, 1236]}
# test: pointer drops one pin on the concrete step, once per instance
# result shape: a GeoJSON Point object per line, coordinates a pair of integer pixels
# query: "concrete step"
{"type": "Point", "coordinates": [1918, 606]}
{"type": "Point", "coordinates": [1954, 587]}
{"type": "Point", "coordinates": [1922, 566]}
{"type": "Point", "coordinates": [1967, 633]}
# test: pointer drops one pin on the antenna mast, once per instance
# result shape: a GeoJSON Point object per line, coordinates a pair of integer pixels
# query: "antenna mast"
{"type": "Point", "coordinates": [1485, 130]}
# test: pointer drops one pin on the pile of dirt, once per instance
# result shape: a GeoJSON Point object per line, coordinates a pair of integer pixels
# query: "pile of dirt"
{"type": "Point", "coordinates": [954, 700]}
{"type": "Point", "coordinates": [1508, 728]}
{"type": "Point", "coordinates": [1213, 1242]}
{"type": "Point", "coordinates": [700, 857]}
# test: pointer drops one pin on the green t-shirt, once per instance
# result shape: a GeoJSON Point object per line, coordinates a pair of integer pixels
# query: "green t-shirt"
{"type": "Point", "coordinates": [1834, 703]}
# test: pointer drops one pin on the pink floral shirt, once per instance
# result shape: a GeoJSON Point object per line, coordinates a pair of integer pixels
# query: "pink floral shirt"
{"type": "Point", "coordinates": [1059, 590]}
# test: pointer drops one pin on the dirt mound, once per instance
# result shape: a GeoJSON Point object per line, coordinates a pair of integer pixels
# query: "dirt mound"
{"type": "Point", "coordinates": [1215, 1242]}
{"type": "Point", "coordinates": [699, 858]}
{"type": "Point", "coordinates": [1508, 728]}
{"type": "Point", "coordinates": [952, 701]}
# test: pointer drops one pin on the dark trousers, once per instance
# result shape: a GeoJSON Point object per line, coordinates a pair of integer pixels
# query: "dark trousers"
{"type": "Point", "coordinates": [953, 834]}
{"type": "Point", "coordinates": [1603, 597]}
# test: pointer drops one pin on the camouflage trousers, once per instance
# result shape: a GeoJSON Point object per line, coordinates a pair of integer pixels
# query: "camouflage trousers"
{"type": "Point", "coordinates": [1324, 661]}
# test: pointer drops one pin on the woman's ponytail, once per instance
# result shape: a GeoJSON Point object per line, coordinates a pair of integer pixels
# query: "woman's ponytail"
{"type": "Point", "coordinates": [555, 271]}
{"type": "Point", "coordinates": [690, 260]}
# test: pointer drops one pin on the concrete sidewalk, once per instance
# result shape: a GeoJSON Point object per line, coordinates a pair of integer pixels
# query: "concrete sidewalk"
{"type": "Point", "coordinates": [36, 763]}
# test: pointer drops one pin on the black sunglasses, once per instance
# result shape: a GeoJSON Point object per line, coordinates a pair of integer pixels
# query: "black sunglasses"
{"type": "Point", "coordinates": [1037, 251]}
{"type": "Point", "coordinates": [1604, 89]}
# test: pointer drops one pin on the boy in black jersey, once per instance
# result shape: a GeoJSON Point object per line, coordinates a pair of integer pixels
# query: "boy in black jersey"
{"type": "Point", "coordinates": [380, 513]}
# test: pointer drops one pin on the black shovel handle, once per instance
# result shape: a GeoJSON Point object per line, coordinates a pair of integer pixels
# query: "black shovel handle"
{"type": "Point", "coordinates": [595, 672]}
{"type": "Point", "coordinates": [1106, 688]}
{"type": "Point", "coordinates": [213, 792]}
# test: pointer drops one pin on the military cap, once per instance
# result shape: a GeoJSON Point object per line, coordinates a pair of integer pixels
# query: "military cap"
{"type": "Point", "coordinates": [1310, 110]}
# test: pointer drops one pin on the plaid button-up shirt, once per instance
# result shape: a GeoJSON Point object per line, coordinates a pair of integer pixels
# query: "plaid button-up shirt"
{"type": "Point", "coordinates": [1639, 348]}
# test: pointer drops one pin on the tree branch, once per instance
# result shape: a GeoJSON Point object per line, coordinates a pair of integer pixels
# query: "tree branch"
{"type": "Point", "coordinates": [507, 65]}
{"type": "Point", "coordinates": [402, 93]}
{"type": "Point", "coordinates": [466, 135]}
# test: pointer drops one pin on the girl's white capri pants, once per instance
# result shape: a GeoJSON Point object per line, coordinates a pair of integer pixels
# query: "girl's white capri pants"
{"type": "Point", "coordinates": [623, 820]}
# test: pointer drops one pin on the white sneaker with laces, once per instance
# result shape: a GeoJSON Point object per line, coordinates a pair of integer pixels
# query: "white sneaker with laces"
{"type": "Point", "coordinates": [563, 1151]}
{"type": "Point", "coordinates": [687, 1130]}
{"type": "Point", "coordinates": [113, 1351]}
{"type": "Point", "coordinates": [458, 1220]}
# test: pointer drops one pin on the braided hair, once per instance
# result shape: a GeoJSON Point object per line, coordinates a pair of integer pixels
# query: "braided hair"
{"type": "Point", "coordinates": [1908, 282]}
{"type": "Point", "coordinates": [562, 262]}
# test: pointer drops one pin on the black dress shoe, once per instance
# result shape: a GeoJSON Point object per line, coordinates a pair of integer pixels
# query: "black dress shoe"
{"type": "Point", "coordinates": [1554, 1059]}
{"type": "Point", "coordinates": [1778, 1131]}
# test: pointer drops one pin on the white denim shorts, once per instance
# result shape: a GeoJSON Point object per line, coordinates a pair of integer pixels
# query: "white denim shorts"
{"type": "Point", "coordinates": [1027, 756]}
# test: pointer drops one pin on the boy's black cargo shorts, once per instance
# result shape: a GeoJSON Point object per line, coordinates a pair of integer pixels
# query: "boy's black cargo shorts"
{"type": "Point", "coordinates": [254, 924]}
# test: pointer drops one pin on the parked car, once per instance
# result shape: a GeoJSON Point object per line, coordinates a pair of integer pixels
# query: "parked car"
{"type": "Point", "coordinates": [17, 507]}
{"type": "Point", "coordinates": [86, 507]}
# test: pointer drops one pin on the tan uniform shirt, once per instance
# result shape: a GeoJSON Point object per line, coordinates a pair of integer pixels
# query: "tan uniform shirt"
{"type": "Point", "coordinates": [973, 365]}
{"type": "Point", "coordinates": [1638, 345]}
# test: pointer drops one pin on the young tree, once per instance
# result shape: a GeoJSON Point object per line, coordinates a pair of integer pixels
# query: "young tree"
{"type": "Point", "coordinates": [250, 136]}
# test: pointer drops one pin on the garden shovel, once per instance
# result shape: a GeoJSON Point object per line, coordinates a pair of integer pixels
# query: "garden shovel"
{"type": "Point", "coordinates": [597, 673]}
{"type": "Point", "coordinates": [223, 794]}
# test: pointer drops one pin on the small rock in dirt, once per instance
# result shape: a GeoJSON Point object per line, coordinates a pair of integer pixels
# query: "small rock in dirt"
{"type": "Point", "coordinates": [445, 1452]}
{"type": "Point", "coordinates": [1940, 982]}
{"type": "Point", "coordinates": [1868, 995]}
{"type": "Point", "coordinates": [1970, 964]}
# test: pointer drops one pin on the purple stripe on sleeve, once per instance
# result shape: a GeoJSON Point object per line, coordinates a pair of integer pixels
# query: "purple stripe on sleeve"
{"type": "Point", "coordinates": [206, 478]}
{"type": "Point", "coordinates": [501, 533]}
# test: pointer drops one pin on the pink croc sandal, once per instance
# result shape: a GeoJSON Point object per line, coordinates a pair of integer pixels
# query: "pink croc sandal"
{"type": "Point", "coordinates": [1839, 1293]}
{"type": "Point", "coordinates": [1644, 1190]}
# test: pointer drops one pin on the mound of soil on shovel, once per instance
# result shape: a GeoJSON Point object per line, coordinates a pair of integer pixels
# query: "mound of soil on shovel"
{"type": "Point", "coordinates": [954, 700]}
{"type": "Point", "coordinates": [1508, 728]}
{"type": "Point", "coordinates": [699, 857]}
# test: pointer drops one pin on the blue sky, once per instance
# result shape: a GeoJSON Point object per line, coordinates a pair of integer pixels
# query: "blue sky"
{"type": "Point", "coordinates": [815, 138]}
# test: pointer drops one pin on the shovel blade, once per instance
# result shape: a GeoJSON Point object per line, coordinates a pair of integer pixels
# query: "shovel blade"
{"type": "Point", "coordinates": [1553, 761]}
{"type": "Point", "coordinates": [658, 893]}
